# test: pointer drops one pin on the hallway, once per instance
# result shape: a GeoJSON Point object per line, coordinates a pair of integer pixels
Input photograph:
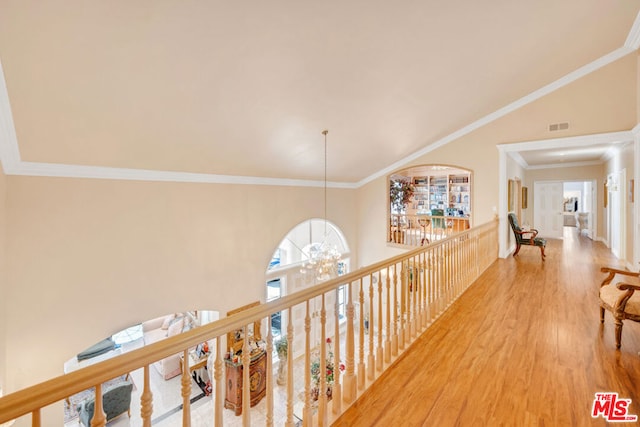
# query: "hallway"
{"type": "Point", "coordinates": [523, 346]}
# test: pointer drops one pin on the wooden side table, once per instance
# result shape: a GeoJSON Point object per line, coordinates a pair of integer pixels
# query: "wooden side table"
{"type": "Point", "coordinates": [195, 363]}
{"type": "Point", "coordinates": [257, 382]}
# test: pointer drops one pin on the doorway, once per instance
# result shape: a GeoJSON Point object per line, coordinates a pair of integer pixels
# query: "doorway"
{"type": "Point", "coordinates": [547, 208]}
{"type": "Point", "coordinates": [579, 208]}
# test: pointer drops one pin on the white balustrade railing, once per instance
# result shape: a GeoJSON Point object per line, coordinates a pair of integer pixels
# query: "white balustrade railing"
{"type": "Point", "coordinates": [389, 304]}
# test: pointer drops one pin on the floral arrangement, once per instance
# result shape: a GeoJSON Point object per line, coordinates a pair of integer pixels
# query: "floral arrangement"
{"type": "Point", "coordinates": [330, 371]}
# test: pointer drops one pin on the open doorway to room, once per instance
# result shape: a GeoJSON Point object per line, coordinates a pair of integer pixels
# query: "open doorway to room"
{"type": "Point", "coordinates": [578, 207]}
{"type": "Point", "coordinates": [285, 276]}
{"type": "Point", "coordinates": [427, 202]}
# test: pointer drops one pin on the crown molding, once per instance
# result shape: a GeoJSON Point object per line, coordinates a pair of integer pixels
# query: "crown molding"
{"type": "Point", "coordinates": [9, 153]}
{"type": "Point", "coordinates": [100, 172]}
{"type": "Point", "coordinates": [543, 91]}
{"type": "Point", "coordinates": [565, 165]}
{"type": "Point", "coordinates": [519, 159]}
{"type": "Point", "coordinates": [13, 165]}
{"type": "Point", "coordinates": [633, 39]}
{"type": "Point", "coordinates": [571, 141]}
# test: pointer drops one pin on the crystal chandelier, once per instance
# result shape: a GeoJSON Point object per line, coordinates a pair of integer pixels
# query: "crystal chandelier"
{"type": "Point", "coordinates": [323, 258]}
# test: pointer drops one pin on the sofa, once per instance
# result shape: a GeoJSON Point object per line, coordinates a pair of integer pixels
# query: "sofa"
{"type": "Point", "coordinates": [116, 400]}
{"type": "Point", "coordinates": [160, 328]}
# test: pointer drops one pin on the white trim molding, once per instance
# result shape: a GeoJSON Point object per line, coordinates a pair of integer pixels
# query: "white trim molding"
{"type": "Point", "coordinates": [100, 172]}
{"type": "Point", "coordinates": [633, 39]}
{"type": "Point", "coordinates": [13, 164]}
{"type": "Point", "coordinates": [545, 90]}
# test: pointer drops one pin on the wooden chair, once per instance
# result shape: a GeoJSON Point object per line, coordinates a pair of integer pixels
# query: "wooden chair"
{"type": "Point", "coordinates": [438, 221]}
{"type": "Point", "coordinates": [620, 299]}
{"type": "Point", "coordinates": [526, 237]}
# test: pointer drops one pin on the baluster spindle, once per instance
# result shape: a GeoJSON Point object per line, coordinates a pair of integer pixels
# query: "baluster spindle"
{"type": "Point", "coordinates": [246, 379]}
{"type": "Point", "coordinates": [322, 395]}
{"type": "Point", "coordinates": [99, 417]}
{"type": "Point", "coordinates": [387, 342]}
{"type": "Point", "coordinates": [371, 359]}
{"type": "Point", "coordinates": [415, 294]}
{"type": "Point", "coordinates": [289, 422]}
{"type": "Point", "coordinates": [186, 390]}
{"type": "Point", "coordinates": [269, 385]}
{"type": "Point", "coordinates": [36, 418]}
{"type": "Point", "coordinates": [423, 291]}
{"type": "Point", "coordinates": [146, 399]}
{"type": "Point", "coordinates": [220, 385]}
{"type": "Point", "coordinates": [404, 277]}
{"type": "Point", "coordinates": [306, 417]}
{"type": "Point", "coordinates": [411, 299]}
{"type": "Point", "coordinates": [349, 377]}
{"type": "Point", "coordinates": [394, 337]}
{"type": "Point", "coordinates": [361, 367]}
{"type": "Point", "coordinates": [379, 350]}
{"type": "Point", "coordinates": [337, 387]}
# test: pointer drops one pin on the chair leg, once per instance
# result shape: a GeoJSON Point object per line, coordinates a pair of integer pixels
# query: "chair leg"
{"type": "Point", "coordinates": [542, 252]}
{"type": "Point", "coordinates": [517, 249]}
{"type": "Point", "coordinates": [618, 332]}
{"type": "Point", "coordinates": [601, 315]}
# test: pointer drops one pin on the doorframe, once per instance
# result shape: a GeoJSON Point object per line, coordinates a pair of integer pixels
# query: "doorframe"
{"type": "Point", "coordinates": [619, 179]}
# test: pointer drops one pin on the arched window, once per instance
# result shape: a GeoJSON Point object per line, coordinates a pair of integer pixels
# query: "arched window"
{"type": "Point", "coordinates": [303, 239]}
{"type": "Point", "coordinates": [284, 274]}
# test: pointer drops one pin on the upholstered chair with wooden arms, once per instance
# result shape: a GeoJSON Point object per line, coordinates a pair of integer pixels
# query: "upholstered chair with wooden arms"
{"type": "Point", "coordinates": [526, 237]}
{"type": "Point", "coordinates": [620, 299]}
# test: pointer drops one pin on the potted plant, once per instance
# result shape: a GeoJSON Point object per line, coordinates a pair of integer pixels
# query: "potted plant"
{"type": "Point", "coordinates": [400, 193]}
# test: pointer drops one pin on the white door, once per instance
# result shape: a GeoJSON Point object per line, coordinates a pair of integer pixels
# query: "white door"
{"type": "Point", "coordinates": [547, 208]}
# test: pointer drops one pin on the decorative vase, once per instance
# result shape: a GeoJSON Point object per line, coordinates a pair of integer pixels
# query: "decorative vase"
{"type": "Point", "coordinates": [281, 377]}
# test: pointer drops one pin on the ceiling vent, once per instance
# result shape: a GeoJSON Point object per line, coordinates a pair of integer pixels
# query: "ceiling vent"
{"type": "Point", "coordinates": [558, 126]}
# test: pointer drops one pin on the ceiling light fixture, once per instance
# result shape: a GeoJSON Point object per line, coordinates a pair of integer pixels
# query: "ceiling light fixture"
{"type": "Point", "coordinates": [323, 258]}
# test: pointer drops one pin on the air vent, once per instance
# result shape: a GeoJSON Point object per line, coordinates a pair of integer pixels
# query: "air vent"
{"type": "Point", "coordinates": [558, 126]}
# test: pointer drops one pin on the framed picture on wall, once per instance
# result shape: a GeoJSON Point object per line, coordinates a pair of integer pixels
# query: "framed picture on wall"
{"type": "Point", "coordinates": [524, 197]}
{"type": "Point", "coordinates": [511, 201]}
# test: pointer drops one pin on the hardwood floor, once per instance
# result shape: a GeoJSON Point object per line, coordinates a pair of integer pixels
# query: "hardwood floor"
{"type": "Point", "coordinates": [523, 346]}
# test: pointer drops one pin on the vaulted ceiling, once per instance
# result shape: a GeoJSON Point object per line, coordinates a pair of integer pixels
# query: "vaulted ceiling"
{"type": "Point", "coordinates": [246, 88]}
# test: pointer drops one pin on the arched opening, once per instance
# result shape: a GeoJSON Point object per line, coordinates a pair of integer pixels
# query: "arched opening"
{"type": "Point", "coordinates": [284, 275]}
{"type": "Point", "coordinates": [427, 202]}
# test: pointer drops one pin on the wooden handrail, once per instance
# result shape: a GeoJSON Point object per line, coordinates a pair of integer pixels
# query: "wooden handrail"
{"type": "Point", "coordinates": [31, 399]}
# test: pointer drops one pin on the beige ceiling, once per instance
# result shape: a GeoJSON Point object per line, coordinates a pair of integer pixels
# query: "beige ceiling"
{"type": "Point", "coordinates": [245, 88]}
{"type": "Point", "coordinates": [592, 154]}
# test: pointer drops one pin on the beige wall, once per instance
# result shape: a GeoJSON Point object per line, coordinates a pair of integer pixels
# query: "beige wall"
{"type": "Point", "coordinates": [623, 160]}
{"type": "Point", "coordinates": [90, 257]}
{"type": "Point", "coordinates": [603, 101]}
{"type": "Point", "coordinates": [3, 278]}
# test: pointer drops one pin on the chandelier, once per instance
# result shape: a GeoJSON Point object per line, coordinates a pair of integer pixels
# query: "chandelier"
{"type": "Point", "coordinates": [323, 258]}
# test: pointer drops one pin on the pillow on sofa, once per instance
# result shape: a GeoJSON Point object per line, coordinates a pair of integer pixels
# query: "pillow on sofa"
{"type": "Point", "coordinates": [175, 327]}
{"type": "Point", "coordinates": [167, 321]}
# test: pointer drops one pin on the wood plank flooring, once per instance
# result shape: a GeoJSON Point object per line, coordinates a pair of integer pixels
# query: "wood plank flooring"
{"type": "Point", "coordinates": [523, 346]}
